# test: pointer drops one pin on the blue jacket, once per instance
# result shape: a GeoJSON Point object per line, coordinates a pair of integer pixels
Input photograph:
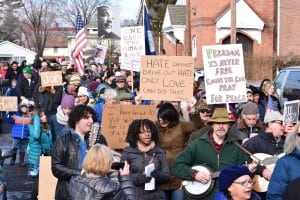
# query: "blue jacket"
{"type": "Point", "coordinates": [221, 196]}
{"type": "Point", "coordinates": [46, 140]}
{"type": "Point", "coordinates": [20, 125]}
{"type": "Point", "coordinates": [34, 148]}
{"type": "Point", "coordinates": [286, 169]}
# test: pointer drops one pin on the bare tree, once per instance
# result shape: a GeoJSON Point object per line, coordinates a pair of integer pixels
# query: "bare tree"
{"type": "Point", "coordinates": [39, 17]}
{"type": "Point", "coordinates": [87, 8]}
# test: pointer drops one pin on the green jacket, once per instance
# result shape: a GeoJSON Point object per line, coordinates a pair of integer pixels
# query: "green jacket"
{"type": "Point", "coordinates": [201, 151]}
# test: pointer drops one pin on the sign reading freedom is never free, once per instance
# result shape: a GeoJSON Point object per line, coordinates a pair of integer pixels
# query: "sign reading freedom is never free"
{"type": "Point", "coordinates": [116, 119]}
{"type": "Point", "coordinates": [224, 74]}
{"type": "Point", "coordinates": [168, 78]}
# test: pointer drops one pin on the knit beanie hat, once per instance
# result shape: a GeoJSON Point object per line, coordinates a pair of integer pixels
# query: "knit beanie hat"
{"type": "Point", "coordinates": [229, 174]}
{"type": "Point", "coordinates": [250, 108]}
{"type": "Point", "coordinates": [93, 85]}
{"type": "Point", "coordinates": [68, 101]}
{"type": "Point", "coordinates": [27, 70]}
{"type": "Point", "coordinates": [74, 79]}
{"type": "Point", "coordinates": [82, 91]}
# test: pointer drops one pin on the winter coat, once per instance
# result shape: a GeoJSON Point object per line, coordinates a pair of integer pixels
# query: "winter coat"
{"type": "Point", "coordinates": [138, 160]}
{"type": "Point", "coordinates": [98, 107]}
{"type": "Point", "coordinates": [48, 102]}
{"type": "Point", "coordinates": [241, 131]}
{"type": "Point", "coordinates": [173, 140]}
{"type": "Point", "coordinates": [292, 191]}
{"type": "Point", "coordinates": [34, 148]}
{"type": "Point", "coordinates": [264, 143]}
{"type": "Point", "coordinates": [25, 88]}
{"type": "Point", "coordinates": [20, 124]}
{"type": "Point", "coordinates": [46, 140]}
{"type": "Point", "coordinates": [286, 169]}
{"type": "Point", "coordinates": [221, 196]}
{"type": "Point", "coordinates": [83, 187]}
{"type": "Point", "coordinates": [202, 152]}
{"type": "Point", "coordinates": [65, 157]}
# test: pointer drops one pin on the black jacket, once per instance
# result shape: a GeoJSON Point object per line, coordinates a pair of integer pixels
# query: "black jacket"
{"type": "Point", "coordinates": [64, 163]}
{"type": "Point", "coordinates": [82, 187]}
{"type": "Point", "coordinates": [138, 160]}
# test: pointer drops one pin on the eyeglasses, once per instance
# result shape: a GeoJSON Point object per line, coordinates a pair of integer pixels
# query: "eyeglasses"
{"type": "Point", "coordinates": [245, 182]}
{"type": "Point", "coordinates": [205, 110]}
{"type": "Point", "coordinates": [278, 122]}
{"type": "Point", "coordinates": [146, 131]}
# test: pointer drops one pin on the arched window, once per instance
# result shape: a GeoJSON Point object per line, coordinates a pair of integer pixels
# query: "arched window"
{"type": "Point", "coordinates": [194, 47]}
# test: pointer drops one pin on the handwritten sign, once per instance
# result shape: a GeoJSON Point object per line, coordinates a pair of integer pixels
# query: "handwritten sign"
{"type": "Point", "coordinates": [291, 111]}
{"type": "Point", "coordinates": [117, 118]}
{"type": "Point", "coordinates": [224, 74]}
{"type": "Point", "coordinates": [132, 47]}
{"type": "Point", "coordinates": [8, 103]}
{"type": "Point", "coordinates": [167, 78]}
{"type": "Point", "coordinates": [51, 78]}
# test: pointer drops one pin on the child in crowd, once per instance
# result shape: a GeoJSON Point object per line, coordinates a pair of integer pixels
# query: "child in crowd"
{"type": "Point", "coordinates": [20, 132]}
{"type": "Point", "coordinates": [40, 142]}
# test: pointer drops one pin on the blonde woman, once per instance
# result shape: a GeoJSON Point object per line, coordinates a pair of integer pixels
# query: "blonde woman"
{"type": "Point", "coordinates": [93, 183]}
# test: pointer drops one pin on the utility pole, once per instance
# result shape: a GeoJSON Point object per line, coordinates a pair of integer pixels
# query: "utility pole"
{"type": "Point", "coordinates": [233, 22]}
{"type": "Point", "coordinates": [188, 48]}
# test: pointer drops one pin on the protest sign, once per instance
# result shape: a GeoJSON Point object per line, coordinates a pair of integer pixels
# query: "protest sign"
{"type": "Point", "coordinates": [169, 78]}
{"type": "Point", "coordinates": [117, 118]}
{"type": "Point", "coordinates": [47, 182]}
{"type": "Point", "coordinates": [132, 47]}
{"type": "Point", "coordinates": [291, 111]}
{"type": "Point", "coordinates": [51, 78]}
{"type": "Point", "coordinates": [100, 54]}
{"type": "Point", "coordinates": [224, 74]}
{"type": "Point", "coordinates": [8, 103]}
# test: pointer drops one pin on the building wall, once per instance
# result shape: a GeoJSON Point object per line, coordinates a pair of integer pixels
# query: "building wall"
{"type": "Point", "coordinates": [289, 27]}
{"type": "Point", "coordinates": [203, 22]}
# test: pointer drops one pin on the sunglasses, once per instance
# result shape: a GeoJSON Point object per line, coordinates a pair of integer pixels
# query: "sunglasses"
{"type": "Point", "coordinates": [205, 111]}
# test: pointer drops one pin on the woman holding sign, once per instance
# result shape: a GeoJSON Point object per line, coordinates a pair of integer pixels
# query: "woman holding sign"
{"type": "Point", "coordinates": [148, 164]}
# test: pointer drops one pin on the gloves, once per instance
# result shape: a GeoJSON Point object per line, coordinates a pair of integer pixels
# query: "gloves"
{"type": "Point", "coordinates": [155, 174]}
{"type": "Point", "coordinates": [142, 179]}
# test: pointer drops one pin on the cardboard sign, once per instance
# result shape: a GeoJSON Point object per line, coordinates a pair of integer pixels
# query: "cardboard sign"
{"type": "Point", "coordinates": [224, 71]}
{"type": "Point", "coordinates": [8, 103]}
{"type": "Point", "coordinates": [47, 182]}
{"type": "Point", "coordinates": [132, 47]}
{"type": "Point", "coordinates": [51, 78]}
{"type": "Point", "coordinates": [291, 111]}
{"type": "Point", "coordinates": [169, 78]}
{"type": "Point", "coordinates": [117, 118]}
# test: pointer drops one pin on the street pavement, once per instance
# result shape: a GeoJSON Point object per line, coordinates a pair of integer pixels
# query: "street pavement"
{"type": "Point", "coordinates": [19, 185]}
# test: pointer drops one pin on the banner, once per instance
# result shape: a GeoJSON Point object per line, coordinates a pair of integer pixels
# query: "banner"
{"type": "Point", "coordinates": [100, 54]}
{"type": "Point", "coordinates": [132, 47]}
{"type": "Point", "coordinates": [168, 78]}
{"type": "Point", "coordinates": [116, 119]}
{"type": "Point", "coordinates": [224, 72]}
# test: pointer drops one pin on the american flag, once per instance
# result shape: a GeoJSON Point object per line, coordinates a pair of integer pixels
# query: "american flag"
{"type": "Point", "coordinates": [80, 44]}
{"type": "Point", "coordinates": [271, 105]}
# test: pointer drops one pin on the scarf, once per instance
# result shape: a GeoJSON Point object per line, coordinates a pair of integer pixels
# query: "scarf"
{"type": "Point", "coordinates": [61, 117]}
{"type": "Point", "coordinates": [145, 148]}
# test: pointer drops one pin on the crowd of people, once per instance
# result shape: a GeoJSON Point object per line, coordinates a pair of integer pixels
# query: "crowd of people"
{"type": "Point", "coordinates": [193, 150]}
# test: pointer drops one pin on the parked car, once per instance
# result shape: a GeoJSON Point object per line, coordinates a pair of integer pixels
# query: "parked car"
{"type": "Point", "coordinates": [288, 84]}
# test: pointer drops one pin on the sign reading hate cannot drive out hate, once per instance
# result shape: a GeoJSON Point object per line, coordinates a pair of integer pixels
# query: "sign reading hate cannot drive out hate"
{"type": "Point", "coordinates": [224, 74]}
{"type": "Point", "coordinates": [167, 78]}
{"type": "Point", "coordinates": [8, 103]}
{"type": "Point", "coordinates": [51, 78]}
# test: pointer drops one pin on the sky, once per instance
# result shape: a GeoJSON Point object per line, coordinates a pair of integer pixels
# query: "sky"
{"type": "Point", "coordinates": [129, 8]}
